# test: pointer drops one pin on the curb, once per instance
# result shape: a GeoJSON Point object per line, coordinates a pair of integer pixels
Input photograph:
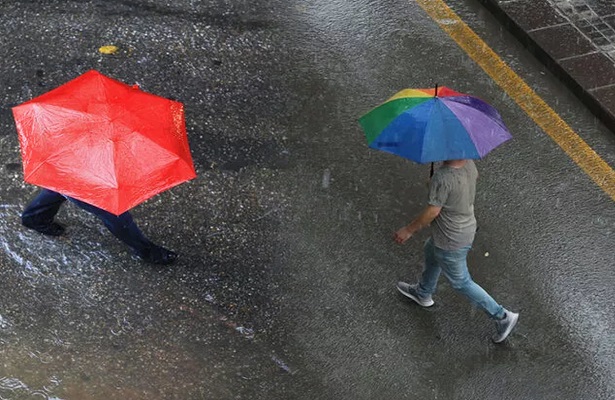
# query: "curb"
{"type": "Point", "coordinates": [570, 57]}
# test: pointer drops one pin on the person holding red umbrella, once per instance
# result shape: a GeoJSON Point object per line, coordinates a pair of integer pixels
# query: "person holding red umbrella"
{"type": "Point", "coordinates": [106, 147]}
{"type": "Point", "coordinates": [40, 213]}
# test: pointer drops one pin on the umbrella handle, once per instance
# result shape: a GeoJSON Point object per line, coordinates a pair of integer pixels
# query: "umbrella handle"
{"type": "Point", "coordinates": [431, 171]}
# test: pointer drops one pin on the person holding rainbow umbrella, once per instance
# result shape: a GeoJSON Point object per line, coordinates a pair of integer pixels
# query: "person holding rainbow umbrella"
{"type": "Point", "coordinates": [442, 125]}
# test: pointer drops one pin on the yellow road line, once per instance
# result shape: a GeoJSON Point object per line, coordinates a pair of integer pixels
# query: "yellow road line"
{"type": "Point", "coordinates": [522, 94]}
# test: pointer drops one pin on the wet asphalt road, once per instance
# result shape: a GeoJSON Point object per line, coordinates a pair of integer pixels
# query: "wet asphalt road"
{"type": "Point", "coordinates": [285, 285]}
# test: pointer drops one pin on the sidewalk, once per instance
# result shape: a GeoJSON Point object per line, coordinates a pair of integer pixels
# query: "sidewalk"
{"type": "Point", "coordinates": [575, 39]}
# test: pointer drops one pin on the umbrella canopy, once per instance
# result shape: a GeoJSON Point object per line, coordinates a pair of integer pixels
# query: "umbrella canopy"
{"type": "Point", "coordinates": [103, 142]}
{"type": "Point", "coordinates": [428, 125]}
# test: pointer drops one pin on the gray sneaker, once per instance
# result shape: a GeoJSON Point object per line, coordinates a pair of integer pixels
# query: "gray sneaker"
{"type": "Point", "coordinates": [505, 325]}
{"type": "Point", "coordinates": [410, 292]}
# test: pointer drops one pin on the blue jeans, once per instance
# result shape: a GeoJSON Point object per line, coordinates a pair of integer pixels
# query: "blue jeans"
{"type": "Point", "coordinates": [42, 210]}
{"type": "Point", "coordinates": [454, 266]}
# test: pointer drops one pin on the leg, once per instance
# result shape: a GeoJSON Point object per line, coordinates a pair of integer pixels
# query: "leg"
{"type": "Point", "coordinates": [421, 292]}
{"type": "Point", "coordinates": [41, 211]}
{"type": "Point", "coordinates": [431, 271]}
{"type": "Point", "coordinates": [124, 228]}
{"type": "Point", "coordinates": [455, 268]}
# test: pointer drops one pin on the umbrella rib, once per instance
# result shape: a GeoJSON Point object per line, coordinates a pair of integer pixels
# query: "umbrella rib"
{"type": "Point", "coordinates": [39, 166]}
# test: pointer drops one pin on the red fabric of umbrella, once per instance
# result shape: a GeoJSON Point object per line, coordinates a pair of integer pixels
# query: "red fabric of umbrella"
{"type": "Point", "coordinates": [103, 142]}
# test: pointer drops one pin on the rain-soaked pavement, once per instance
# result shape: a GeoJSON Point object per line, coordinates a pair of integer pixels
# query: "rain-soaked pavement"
{"type": "Point", "coordinates": [285, 285]}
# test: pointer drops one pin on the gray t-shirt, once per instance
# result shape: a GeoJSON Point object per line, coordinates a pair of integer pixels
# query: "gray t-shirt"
{"type": "Point", "coordinates": [454, 189]}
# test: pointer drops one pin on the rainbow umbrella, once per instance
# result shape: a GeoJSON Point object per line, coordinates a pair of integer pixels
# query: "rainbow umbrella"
{"type": "Point", "coordinates": [429, 125]}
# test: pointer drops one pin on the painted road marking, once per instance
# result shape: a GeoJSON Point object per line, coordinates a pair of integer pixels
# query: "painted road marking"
{"type": "Point", "coordinates": [543, 115]}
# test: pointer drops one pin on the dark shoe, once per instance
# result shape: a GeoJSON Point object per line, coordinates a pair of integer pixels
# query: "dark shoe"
{"type": "Point", "coordinates": [410, 292]}
{"type": "Point", "coordinates": [53, 229]}
{"type": "Point", "coordinates": [504, 326]}
{"type": "Point", "coordinates": [158, 255]}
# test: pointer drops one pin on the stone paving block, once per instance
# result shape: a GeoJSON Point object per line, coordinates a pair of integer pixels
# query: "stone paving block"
{"type": "Point", "coordinates": [534, 14]}
{"type": "Point", "coordinates": [563, 41]}
{"type": "Point", "coordinates": [606, 97]}
{"type": "Point", "coordinates": [586, 7]}
{"type": "Point", "coordinates": [594, 18]}
{"type": "Point", "coordinates": [602, 7]}
{"type": "Point", "coordinates": [591, 71]}
{"type": "Point", "coordinates": [610, 21]}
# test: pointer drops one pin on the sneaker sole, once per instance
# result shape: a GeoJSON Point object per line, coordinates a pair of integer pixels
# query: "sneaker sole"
{"type": "Point", "coordinates": [415, 299]}
{"type": "Point", "coordinates": [508, 330]}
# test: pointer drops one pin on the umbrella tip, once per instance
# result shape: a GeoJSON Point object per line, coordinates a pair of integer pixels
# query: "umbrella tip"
{"type": "Point", "coordinates": [435, 93]}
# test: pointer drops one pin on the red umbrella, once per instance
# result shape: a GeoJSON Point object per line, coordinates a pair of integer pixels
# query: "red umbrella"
{"type": "Point", "coordinates": [103, 142]}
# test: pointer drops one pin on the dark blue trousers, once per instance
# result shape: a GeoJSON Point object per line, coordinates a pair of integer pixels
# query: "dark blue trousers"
{"type": "Point", "coordinates": [42, 210]}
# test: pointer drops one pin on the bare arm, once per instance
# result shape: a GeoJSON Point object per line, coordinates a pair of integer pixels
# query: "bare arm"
{"type": "Point", "coordinates": [422, 220]}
